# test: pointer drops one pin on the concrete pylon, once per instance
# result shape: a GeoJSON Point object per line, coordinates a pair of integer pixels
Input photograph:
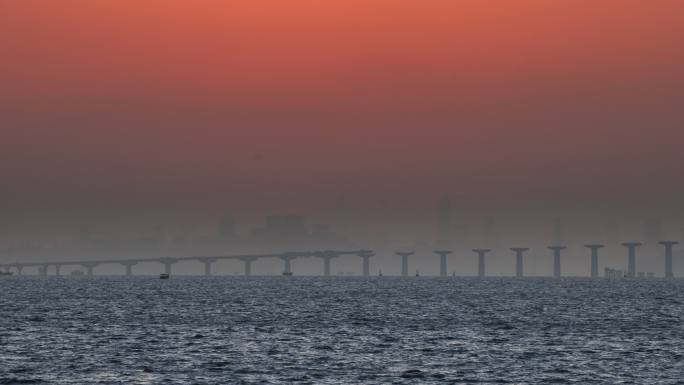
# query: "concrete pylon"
{"type": "Point", "coordinates": [669, 273]}
{"type": "Point", "coordinates": [404, 261]}
{"type": "Point", "coordinates": [443, 261]}
{"type": "Point", "coordinates": [129, 267]}
{"type": "Point", "coordinates": [207, 265]}
{"type": "Point", "coordinates": [327, 256]}
{"type": "Point", "coordinates": [89, 267]}
{"type": "Point", "coordinates": [594, 258]}
{"type": "Point", "coordinates": [481, 261]}
{"type": "Point", "coordinates": [556, 259]}
{"type": "Point", "coordinates": [631, 257]}
{"type": "Point", "coordinates": [366, 256]}
{"type": "Point", "coordinates": [519, 251]}
{"type": "Point", "coordinates": [248, 265]}
{"type": "Point", "coordinates": [287, 262]}
{"type": "Point", "coordinates": [167, 262]}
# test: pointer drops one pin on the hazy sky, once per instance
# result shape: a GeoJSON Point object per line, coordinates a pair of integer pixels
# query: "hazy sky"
{"type": "Point", "coordinates": [136, 107]}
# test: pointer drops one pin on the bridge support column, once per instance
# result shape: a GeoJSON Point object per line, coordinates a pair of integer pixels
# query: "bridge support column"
{"type": "Point", "coordinates": [207, 265]}
{"type": "Point", "coordinates": [89, 268]}
{"type": "Point", "coordinates": [129, 267]}
{"type": "Point", "coordinates": [248, 265]}
{"type": "Point", "coordinates": [519, 251]}
{"type": "Point", "coordinates": [58, 269]}
{"type": "Point", "coordinates": [168, 262]}
{"type": "Point", "coordinates": [43, 270]}
{"type": "Point", "coordinates": [481, 261]}
{"type": "Point", "coordinates": [326, 256]}
{"type": "Point", "coordinates": [404, 261]}
{"type": "Point", "coordinates": [287, 263]}
{"type": "Point", "coordinates": [669, 273]}
{"type": "Point", "coordinates": [594, 259]}
{"type": "Point", "coordinates": [556, 259]}
{"type": "Point", "coordinates": [366, 256]}
{"type": "Point", "coordinates": [631, 258]}
{"type": "Point", "coordinates": [443, 261]}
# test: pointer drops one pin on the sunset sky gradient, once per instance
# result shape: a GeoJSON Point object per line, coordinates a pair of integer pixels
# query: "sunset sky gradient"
{"type": "Point", "coordinates": [170, 106]}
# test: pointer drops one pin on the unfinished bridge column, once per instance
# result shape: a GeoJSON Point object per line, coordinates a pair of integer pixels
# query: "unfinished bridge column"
{"type": "Point", "coordinates": [519, 252]}
{"type": "Point", "coordinates": [669, 273]}
{"type": "Point", "coordinates": [404, 261]}
{"type": "Point", "coordinates": [594, 259]}
{"type": "Point", "coordinates": [631, 257]}
{"type": "Point", "coordinates": [557, 259]}
{"type": "Point", "coordinates": [443, 261]}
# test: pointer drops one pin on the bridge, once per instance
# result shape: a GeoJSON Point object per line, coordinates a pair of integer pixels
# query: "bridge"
{"type": "Point", "coordinates": [168, 262]}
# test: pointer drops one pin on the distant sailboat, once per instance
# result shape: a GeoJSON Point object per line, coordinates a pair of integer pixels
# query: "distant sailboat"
{"type": "Point", "coordinates": [417, 273]}
{"type": "Point", "coordinates": [380, 273]}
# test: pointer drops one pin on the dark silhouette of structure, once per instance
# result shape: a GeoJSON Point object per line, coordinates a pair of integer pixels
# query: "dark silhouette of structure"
{"type": "Point", "coordinates": [404, 261]}
{"type": "Point", "coordinates": [247, 261]}
{"type": "Point", "coordinates": [668, 257]}
{"type": "Point", "coordinates": [366, 256]}
{"type": "Point", "coordinates": [443, 261]}
{"type": "Point", "coordinates": [594, 258]}
{"type": "Point", "coordinates": [481, 261]}
{"type": "Point", "coordinates": [631, 257]}
{"type": "Point", "coordinates": [327, 256]}
{"type": "Point", "coordinates": [556, 259]}
{"type": "Point", "coordinates": [519, 251]}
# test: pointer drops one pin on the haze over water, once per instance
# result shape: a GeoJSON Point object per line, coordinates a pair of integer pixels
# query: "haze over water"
{"type": "Point", "coordinates": [277, 330]}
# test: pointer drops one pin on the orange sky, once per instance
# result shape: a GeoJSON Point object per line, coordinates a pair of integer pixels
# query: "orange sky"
{"type": "Point", "coordinates": [308, 101]}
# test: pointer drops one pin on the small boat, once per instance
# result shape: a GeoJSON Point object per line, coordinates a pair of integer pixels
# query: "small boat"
{"type": "Point", "coordinates": [417, 273]}
{"type": "Point", "coordinates": [163, 276]}
{"type": "Point", "coordinates": [287, 273]}
{"type": "Point", "coordinates": [380, 273]}
{"type": "Point", "coordinates": [6, 272]}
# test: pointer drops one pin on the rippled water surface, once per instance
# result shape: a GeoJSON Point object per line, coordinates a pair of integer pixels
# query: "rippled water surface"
{"type": "Point", "coordinates": [340, 330]}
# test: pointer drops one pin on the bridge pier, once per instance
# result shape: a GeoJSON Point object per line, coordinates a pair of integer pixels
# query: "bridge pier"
{"type": "Point", "coordinates": [248, 264]}
{"type": "Point", "coordinates": [43, 270]}
{"type": "Point", "coordinates": [668, 258]}
{"type": "Point", "coordinates": [129, 267]}
{"type": "Point", "coordinates": [594, 259]}
{"type": "Point", "coordinates": [556, 259]}
{"type": "Point", "coordinates": [207, 265]}
{"type": "Point", "coordinates": [631, 258]}
{"type": "Point", "coordinates": [167, 262]}
{"type": "Point", "coordinates": [519, 251]}
{"type": "Point", "coordinates": [326, 256]}
{"type": "Point", "coordinates": [58, 269]}
{"type": "Point", "coordinates": [287, 262]}
{"type": "Point", "coordinates": [89, 267]}
{"type": "Point", "coordinates": [366, 256]}
{"type": "Point", "coordinates": [404, 261]}
{"type": "Point", "coordinates": [481, 261]}
{"type": "Point", "coordinates": [443, 261]}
